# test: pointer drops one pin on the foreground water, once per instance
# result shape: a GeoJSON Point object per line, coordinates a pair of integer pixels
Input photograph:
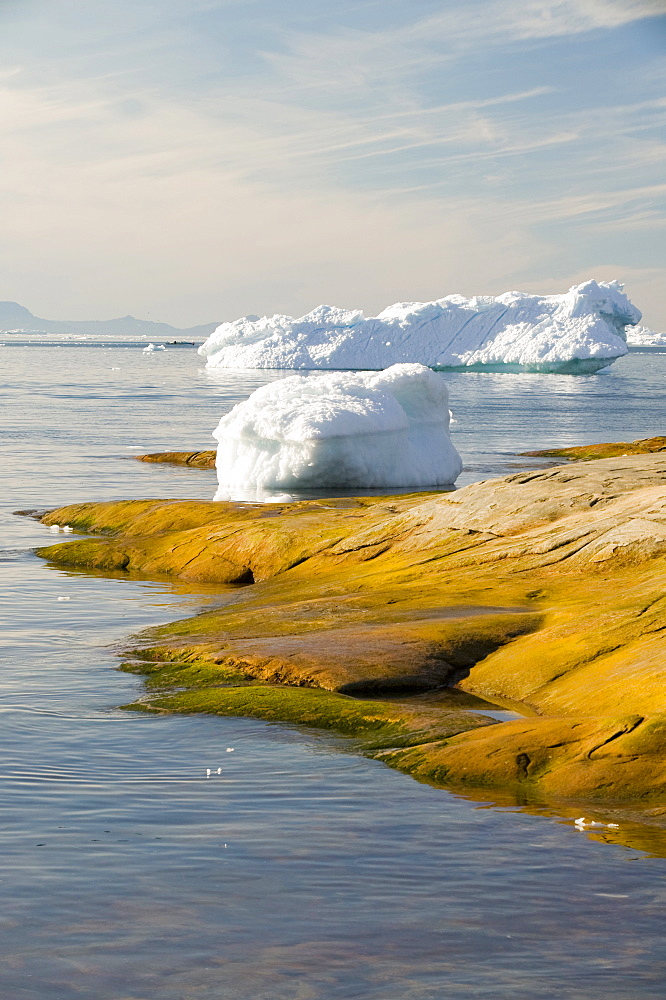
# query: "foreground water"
{"type": "Point", "coordinates": [301, 871]}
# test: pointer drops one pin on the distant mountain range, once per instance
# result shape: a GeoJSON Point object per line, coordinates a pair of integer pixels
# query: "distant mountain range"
{"type": "Point", "coordinates": [17, 319]}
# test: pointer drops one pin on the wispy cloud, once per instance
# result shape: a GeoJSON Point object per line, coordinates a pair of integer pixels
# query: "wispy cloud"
{"type": "Point", "coordinates": [418, 154]}
{"type": "Point", "coordinates": [352, 59]}
{"type": "Point", "coordinates": [557, 18]}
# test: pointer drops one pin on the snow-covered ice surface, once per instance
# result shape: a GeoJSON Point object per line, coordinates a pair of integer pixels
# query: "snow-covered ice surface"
{"type": "Point", "coordinates": [578, 332]}
{"type": "Point", "coordinates": [360, 430]}
{"type": "Point", "coordinates": [641, 336]}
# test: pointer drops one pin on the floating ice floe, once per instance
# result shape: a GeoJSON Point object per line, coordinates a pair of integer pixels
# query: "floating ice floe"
{"type": "Point", "coordinates": [580, 331]}
{"type": "Point", "coordinates": [590, 824]}
{"type": "Point", "coordinates": [343, 430]}
{"type": "Point", "coordinates": [641, 336]}
{"type": "Point", "coordinates": [149, 348]}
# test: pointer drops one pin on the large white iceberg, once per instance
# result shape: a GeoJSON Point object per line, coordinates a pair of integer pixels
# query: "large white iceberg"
{"type": "Point", "coordinates": [343, 430]}
{"type": "Point", "coordinates": [580, 331]}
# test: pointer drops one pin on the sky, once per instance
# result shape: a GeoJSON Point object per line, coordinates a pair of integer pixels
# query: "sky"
{"type": "Point", "coordinates": [197, 160]}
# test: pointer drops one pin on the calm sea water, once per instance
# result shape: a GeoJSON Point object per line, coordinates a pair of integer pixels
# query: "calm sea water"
{"type": "Point", "coordinates": [301, 872]}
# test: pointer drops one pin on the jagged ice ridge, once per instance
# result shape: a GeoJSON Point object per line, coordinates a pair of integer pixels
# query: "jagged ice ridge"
{"type": "Point", "coordinates": [580, 331]}
{"type": "Point", "coordinates": [360, 430]}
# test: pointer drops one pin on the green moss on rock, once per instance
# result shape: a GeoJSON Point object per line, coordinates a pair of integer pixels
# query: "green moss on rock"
{"type": "Point", "coordinates": [179, 673]}
{"type": "Point", "coordinates": [375, 724]}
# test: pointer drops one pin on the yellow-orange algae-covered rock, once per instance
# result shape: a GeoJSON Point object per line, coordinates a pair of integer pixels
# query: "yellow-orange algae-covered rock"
{"type": "Point", "coordinates": [587, 452]}
{"type": "Point", "coordinates": [596, 759]}
{"type": "Point", "coordinates": [195, 459]}
{"type": "Point", "coordinates": [542, 590]}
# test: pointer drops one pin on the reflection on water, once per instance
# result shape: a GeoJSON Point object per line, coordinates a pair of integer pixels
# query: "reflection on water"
{"type": "Point", "coordinates": [604, 824]}
{"type": "Point", "coordinates": [301, 872]}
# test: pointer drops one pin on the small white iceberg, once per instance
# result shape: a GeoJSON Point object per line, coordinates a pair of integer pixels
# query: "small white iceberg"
{"type": "Point", "coordinates": [149, 348]}
{"type": "Point", "coordinates": [345, 430]}
{"type": "Point", "coordinates": [642, 336]}
{"type": "Point", "coordinates": [580, 331]}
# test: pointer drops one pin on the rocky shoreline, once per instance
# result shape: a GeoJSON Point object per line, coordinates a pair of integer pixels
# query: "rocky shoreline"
{"type": "Point", "coordinates": [403, 621]}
